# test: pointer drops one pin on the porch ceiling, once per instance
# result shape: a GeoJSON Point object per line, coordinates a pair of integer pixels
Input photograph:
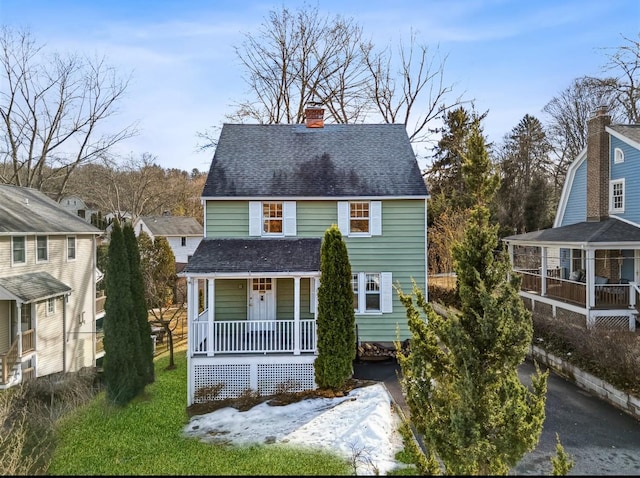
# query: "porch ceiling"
{"type": "Point", "coordinates": [32, 286]}
{"type": "Point", "coordinates": [607, 233]}
{"type": "Point", "coordinates": [231, 256]}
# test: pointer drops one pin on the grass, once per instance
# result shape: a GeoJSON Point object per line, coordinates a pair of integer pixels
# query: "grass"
{"type": "Point", "coordinates": [145, 438]}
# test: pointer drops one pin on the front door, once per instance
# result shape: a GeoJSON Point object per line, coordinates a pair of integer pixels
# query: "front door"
{"type": "Point", "coordinates": [262, 303]}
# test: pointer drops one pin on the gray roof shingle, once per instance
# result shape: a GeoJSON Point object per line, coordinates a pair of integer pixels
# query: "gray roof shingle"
{"type": "Point", "coordinates": [338, 160]}
{"type": "Point", "coordinates": [631, 131]}
{"type": "Point", "coordinates": [173, 225]}
{"type": "Point", "coordinates": [33, 286]}
{"type": "Point", "coordinates": [609, 230]}
{"type": "Point", "coordinates": [255, 255]}
{"type": "Point", "coordinates": [26, 210]}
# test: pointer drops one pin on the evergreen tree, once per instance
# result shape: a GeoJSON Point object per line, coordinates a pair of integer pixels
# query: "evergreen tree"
{"type": "Point", "coordinates": [120, 372]}
{"type": "Point", "coordinates": [461, 375]}
{"type": "Point", "coordinates": [139, 311]}
{"type": "Point", "coordinates": [336, 315]}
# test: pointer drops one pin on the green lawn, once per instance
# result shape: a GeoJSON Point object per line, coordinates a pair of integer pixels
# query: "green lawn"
{"type": "Point", "coordinates": [145, 438]}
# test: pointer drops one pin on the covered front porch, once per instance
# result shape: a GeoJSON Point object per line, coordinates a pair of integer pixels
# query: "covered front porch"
{"type": "Point", "coordinates": [589, 270]}
{"type": "Point", "coordinates": [251, 307]}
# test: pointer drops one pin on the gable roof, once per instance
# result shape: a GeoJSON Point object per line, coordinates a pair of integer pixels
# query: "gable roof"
{"type": "Point", "coordinates": [610, 231]}
{"type": "Point", "coordinates": [229, 256]}
{"type": "Point", "coordinates": [626, 131]}
{"type": "Point", "coordinates": [172, 225]}
{"type": "Point", "coordinates": [27, 210]}
{"type": "Point", "coordinates": [32, 287]}
{"type": "Point", "coordinates": [337, 160]}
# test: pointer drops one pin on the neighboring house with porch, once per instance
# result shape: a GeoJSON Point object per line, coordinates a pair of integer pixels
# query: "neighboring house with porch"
{"type": "Point", "coordinates": [271, 194]}
{"type": "Point", "coordinates": [594, 245]}
{"type": "Point", "coordinates": [48, 281]}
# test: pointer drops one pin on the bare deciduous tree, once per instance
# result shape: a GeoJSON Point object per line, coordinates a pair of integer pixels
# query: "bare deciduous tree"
{"type": "Point", "coordinates": [422, 91]}
{"type": "Point", "coordinates": [53, 109]}
{"type": "Point", "coordinates": [300, 57]}
{"type": "Point", "coordinates": [623, 85]}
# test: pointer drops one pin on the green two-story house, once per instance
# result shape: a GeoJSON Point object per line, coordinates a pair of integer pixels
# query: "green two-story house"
{"type": "Point", "coordinates": [271, 193]}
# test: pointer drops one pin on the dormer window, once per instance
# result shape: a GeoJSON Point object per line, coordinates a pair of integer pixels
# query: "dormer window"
{"type": "Point", "coordinates": [616, 195]}
{"type": "Point", "coordinates": [618, 156]}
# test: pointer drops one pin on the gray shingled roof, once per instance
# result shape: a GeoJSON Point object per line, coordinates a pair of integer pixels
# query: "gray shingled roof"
{"type": "Point", "coordinates": [26, 210]}
{"type": "Point", "coordinates": [609, 230]}
{"type": "Point", "coordinates": [173, 225]}
{"type": "Point", "coordinates": [631, 131]}
{"type": "Point", "coordinates": [338, 160]}
{"type": "Point", "coordinates": [33, 286]}
{"type": "Point", "coordinates": [255, 255]}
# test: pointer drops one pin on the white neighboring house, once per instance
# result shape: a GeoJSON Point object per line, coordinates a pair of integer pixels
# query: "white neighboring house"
{"type": "Point", "coordinates": [48, 278]}
{"type": "Point", "coordinates": [182, 233]}
{"type": "Point", "coordinates": [78, 207]}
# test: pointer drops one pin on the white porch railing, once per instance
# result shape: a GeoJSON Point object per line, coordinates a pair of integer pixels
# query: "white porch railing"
{"type": "Point", "coordinates": [251, 336]}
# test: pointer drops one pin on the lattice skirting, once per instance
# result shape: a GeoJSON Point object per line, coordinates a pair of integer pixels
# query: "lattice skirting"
{"type": "Point", "coordinates": [229, 377]}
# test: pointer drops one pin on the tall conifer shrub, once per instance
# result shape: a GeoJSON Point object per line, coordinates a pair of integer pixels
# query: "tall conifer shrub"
{"type": "Point", "coordinates": [336, 315]}
{"type": "Point", "coordinates": [120, 367]}
{"type": "Point", "coordinates": [460, 377]}
{"type": "Point", "coordinates": [141, 329]}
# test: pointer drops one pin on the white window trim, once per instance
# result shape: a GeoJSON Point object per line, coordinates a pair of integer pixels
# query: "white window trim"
{"type": "Point", "coordinates": [38, 260]}
{"type": "Point", "coordinates": [75, 248]}
{"type": "Point", "coordinates": [375, 219]}
{"type": "Point", "coordinates": [612, 183]}
{"type": "Point", "coordinates": [618, 156]}
{"type": "Point", "coordinates": [51, 306]}
{"type": "Point", "coordinates": [289, 224]}
{"type": "Point", "coordinates": [386, 293]}
{"type": "Point", "coordinates": [13, 263]}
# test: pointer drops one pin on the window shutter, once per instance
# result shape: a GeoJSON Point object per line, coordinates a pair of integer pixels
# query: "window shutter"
{"type": "Point", "coordinates": [255, 218]}
{"type": "Point", "coordinates": [386, 292]}
{"type": "Point", "coordinates": [376, 218]}
{"type": "Point", "coordinates": [343, 217]}
{"type": "Point", "coordinates": [289, 213]}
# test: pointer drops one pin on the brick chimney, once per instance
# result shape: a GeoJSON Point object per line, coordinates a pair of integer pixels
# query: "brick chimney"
{"type": "Point", "coordinates": [314, 115]}
{"type": "Point", "coordinates": [598, 166]}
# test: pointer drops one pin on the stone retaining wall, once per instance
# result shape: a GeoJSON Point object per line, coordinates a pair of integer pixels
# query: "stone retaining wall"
{"type": "Point", "coordinates": [594, 385]}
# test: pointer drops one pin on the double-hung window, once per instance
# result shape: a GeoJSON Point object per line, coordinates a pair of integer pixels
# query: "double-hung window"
{"type": "Point", "coordinates": [272, 218]}
{"type": "Point", "coordinates": [616, 195]}
{"type": "Point", "coordinates": [42, 249]}
{"type": "Point", "coordinates": [372, 292]}
{"type": "Point", "coordinates": [51, 306]}
{"type": "Point", "coordinates": [18, 250]}
{"type": "Point", "coordinates": [71, 248]}
{"type": "Point", "coordinates": [360, 218]}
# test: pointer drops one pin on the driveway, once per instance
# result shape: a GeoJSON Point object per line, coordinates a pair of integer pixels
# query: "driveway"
{"type": "Point", "coordinates": [601, 439]}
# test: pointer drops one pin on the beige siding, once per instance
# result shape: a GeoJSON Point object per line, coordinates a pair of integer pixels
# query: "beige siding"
{"type": "Point", "coordinates": [49, 340]}
{"type": "Point", "coordinates": [79, 274]}
{"type": "Point", "coordinates": [5, 324]}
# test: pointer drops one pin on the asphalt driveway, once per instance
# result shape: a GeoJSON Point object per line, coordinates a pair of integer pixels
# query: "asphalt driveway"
{"type": "Point", "coordinates": [601, 439]}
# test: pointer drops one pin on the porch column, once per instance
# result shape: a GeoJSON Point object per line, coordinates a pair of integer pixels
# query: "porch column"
{"type": "Point", "coordinates": [210, 315]}
{"type": "Point", "coordinates": [511, 257]}
{"type": "Point", "coordinates": [543, 274]}
{"type": "Point", "coordinates": [590, 279]}
{"type": "Point", "coordinates": [296, 316]}
{"type": "Point", "coordinates": [190, 337]}
{"type": "Point", "coordinates": [19, 328]}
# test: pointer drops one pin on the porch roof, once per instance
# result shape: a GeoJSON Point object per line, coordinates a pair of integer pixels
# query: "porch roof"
{"type": "Point", "coordinates": [30, 287]}
{"type": "Point", "coordinates": [606, 233]}
{"type": "Point", "coordinates": [250, 255]}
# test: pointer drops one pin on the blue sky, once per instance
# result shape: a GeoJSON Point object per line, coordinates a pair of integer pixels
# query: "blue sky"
{"type": "Point", "coordinates": [510, 56]}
